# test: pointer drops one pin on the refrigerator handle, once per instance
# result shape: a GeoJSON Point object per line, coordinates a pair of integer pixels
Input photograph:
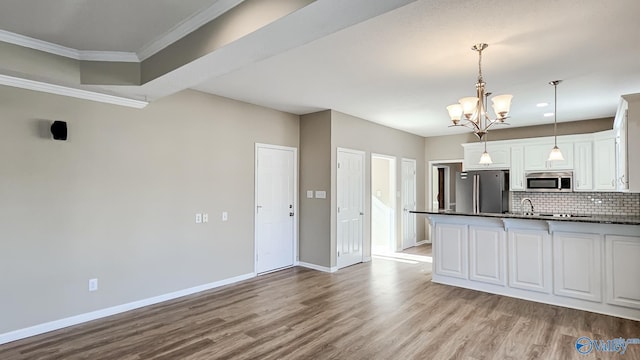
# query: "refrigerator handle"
{"type": "Point", "coordinates": [475, 194]}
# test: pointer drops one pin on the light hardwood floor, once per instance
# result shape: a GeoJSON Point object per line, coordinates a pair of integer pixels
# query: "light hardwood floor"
{"type": "Point", "coordinates": [380, 310]}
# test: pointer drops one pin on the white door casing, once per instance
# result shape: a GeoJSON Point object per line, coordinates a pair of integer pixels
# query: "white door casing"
{"type": "Point", "coordinates": [350, 202]}
{"type": "Point", "coordinates": [275, 211]}
{"type": "Point", "coordinates": [409, 233]}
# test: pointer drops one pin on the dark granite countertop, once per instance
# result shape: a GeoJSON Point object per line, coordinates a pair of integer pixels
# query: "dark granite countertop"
{"type": "Point", "coordinates": [598, 219]}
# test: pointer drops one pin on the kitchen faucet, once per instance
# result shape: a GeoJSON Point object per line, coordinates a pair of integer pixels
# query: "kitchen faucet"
{"type": "Point", "coordinates": [522, 206]}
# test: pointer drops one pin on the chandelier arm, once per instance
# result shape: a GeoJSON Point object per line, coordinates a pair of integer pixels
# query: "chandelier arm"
{"type": "Point", "coordinates": [465, 125]}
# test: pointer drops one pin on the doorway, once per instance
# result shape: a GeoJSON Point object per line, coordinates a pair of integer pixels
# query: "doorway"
{"type": "Point", "coordinates": [275, 213]}
{"type": "Point", "coordinates": [350, 212]}
{"type": "Point", "coordinates": [383, 204]}
{"type": "Point", "coordinates": [442, 186]}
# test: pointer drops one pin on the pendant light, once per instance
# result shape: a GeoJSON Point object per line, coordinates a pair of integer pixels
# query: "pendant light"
{"type": "Point", "coordinates": [485, 158]}
{"type": "Point", "coordinates": [555, 154]}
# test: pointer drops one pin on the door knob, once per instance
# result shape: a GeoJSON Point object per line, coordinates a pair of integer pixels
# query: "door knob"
{"type": "Point", "coordinates": [290, 214]}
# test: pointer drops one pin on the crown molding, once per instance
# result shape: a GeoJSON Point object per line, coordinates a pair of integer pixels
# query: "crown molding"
{"type": "Point", "coordinates": [176, 33]}
{"type": "Point", "coordinates": [111, 56]}
{"type": "Point", "coordinates": [186, 27]}
{"type": "Point", "coordinates": [71, 92]}
{"type": "Point", "coordinates": [55, 49]}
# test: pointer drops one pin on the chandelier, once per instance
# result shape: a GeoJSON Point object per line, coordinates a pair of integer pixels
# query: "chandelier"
{"type": "Point", "coordinates": [471, 111]}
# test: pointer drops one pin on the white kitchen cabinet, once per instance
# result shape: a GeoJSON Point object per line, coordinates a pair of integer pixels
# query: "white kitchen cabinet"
{"type": "Point", "coordinates": [604, 161]}
{"type": "Point", "coordinates": [583, 166]}
{"type": "Point", "coordinates": [516, 171]}
{"type": "Point", "coordinates": [487, 252]}
{"type": "Point", "coordinates": [622, 264]}
{"type": "Point", "coordinates": [536, 155]}
{"type": "Point", "coordinates": [627, 132]}
{"type": "Point", "coordinates": [577, 265]}
{"type": "Point", "coordinates": [530, 260]}
{"type": "Point", "coordinates": [450, 250]}
{"type": "Point", "coordinates": [499, 155]}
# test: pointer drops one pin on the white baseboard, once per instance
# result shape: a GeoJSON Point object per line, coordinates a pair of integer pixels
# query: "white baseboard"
{"type": "Point", "coordinates": [78, 319]}
{"type": "Point", "coordinates": [318, 267]}
{"type": "Point", "coordinates": [423, 242]}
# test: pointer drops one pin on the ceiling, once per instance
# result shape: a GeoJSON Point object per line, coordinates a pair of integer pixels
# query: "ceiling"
{"type": "Point", "coordinates": [398, 66]}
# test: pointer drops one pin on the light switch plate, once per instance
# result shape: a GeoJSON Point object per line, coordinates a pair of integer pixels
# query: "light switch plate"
{"type": "Point", "coordinates": [198, 218]}
{"type": "Point", "coordinates": [321, 194]}
{"type": "Point", "coordinates": [225, 216]}
{"type": "Point", "coordinates": [205, 218]}
{"type": "Point", "coordinates": [309, 194]}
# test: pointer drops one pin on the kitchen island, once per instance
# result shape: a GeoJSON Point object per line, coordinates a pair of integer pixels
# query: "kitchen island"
{"type": "Point", "coordinates": [584, 262]}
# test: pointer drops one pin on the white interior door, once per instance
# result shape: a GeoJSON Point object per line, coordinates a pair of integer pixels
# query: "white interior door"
{"type": "Point", "coordinates": [409, 233]}
{"type": "Point", "coordinates": [275, 207]}
{"type": "Point", "coordinates": [350, 199]}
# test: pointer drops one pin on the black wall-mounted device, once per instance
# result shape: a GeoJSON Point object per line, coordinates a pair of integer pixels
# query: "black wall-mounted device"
{"type": "Point", "coordinates": [59, 130]}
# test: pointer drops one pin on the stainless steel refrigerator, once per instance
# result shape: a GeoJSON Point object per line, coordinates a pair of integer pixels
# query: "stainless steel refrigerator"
{"type": "Point", "coordinates": [484, 191]}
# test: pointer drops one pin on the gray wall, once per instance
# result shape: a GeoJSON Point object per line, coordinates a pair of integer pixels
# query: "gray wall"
{"type": "Point", "coordinates": [348, 132]}
{"type": "Point", "coordinates": [315, 174]}
{"type": "Point", "coordinates": [117, 200]}
{"type": "Point", "coordinates": [448, 147]}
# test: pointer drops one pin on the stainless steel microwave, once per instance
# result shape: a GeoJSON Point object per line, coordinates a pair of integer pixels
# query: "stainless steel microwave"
{"type": "Point", "coordinates": [550, 181]}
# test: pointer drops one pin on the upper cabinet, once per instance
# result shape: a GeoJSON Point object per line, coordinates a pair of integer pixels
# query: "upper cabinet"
{"type": "Point", "coordinates": [605, 161]}
{"type": "Point", "coordinates": [627, 134]}
{"type": "Point", "coordinates": [583, 166]}
{"type": "Point", "coordinates": [536, 155]}
{"type": "Point", "coordinates": [499, 156]}
{"type": "Point", "coordinates": [516, 170]}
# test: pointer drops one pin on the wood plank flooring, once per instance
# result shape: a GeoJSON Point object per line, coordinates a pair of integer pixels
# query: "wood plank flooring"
{"type": "Point", "coordinates": [380, 310]}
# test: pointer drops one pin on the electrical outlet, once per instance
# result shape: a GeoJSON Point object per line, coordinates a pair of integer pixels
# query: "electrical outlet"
{"type": "Point", "coordinates": [205, 218]}
{"type": "Point", "coordinates": [198, 218]}
{"type": "Point", "coordinates": [225, 216]}
{"type": "Point", "coordinates": [93, 284]}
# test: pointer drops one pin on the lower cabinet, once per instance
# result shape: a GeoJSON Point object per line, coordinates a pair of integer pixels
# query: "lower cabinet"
{"type": "Point", "coordinates": [577, 265]}
{"type": "Point", "coordinates": [530, 260]}
{"type": "Point", "coordinates": [487, 252]}
{"type": "Point", "coordinates": [586, 266]}
{"type": "Point", "coordinates": [451, 250]}
{"type": "Point", "coordinates": [622, 262]}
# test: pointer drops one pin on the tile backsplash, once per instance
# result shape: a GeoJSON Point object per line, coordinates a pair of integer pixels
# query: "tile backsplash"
{"type": "Point", "coordinates": [597, 203]}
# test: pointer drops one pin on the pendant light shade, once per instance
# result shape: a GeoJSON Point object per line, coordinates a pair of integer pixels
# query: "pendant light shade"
{"type": "Point", "coordinates": [485, 158]}
{"type": "Point", "coordinates": [555, 154]}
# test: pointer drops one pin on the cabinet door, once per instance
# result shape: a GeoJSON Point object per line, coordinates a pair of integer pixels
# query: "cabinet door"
{"type": "Point", "coordinates": [487, 251]}
{"type": "Point", "coordinates": [450, 250]}
{"type": "Point", "coordinates": [499, 155]}
{"type": "Point", "coordinates": [622, 261]}
{"type": "Point", "coordinates": [583, 161]}
{"type": "Point", "coordinates": [516, 171]}
{"type": "Point", "coordinates": [535, 157]}
{"type": "Point", "coordinates": [577, 265]}
{"type": "Point", "coordinates": [605, 163]}
{"type": "Point", "coordinates": [530, 260]}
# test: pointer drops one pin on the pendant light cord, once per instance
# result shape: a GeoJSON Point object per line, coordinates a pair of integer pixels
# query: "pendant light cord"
{"type": "Point", "coordinates": [555, 114]}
